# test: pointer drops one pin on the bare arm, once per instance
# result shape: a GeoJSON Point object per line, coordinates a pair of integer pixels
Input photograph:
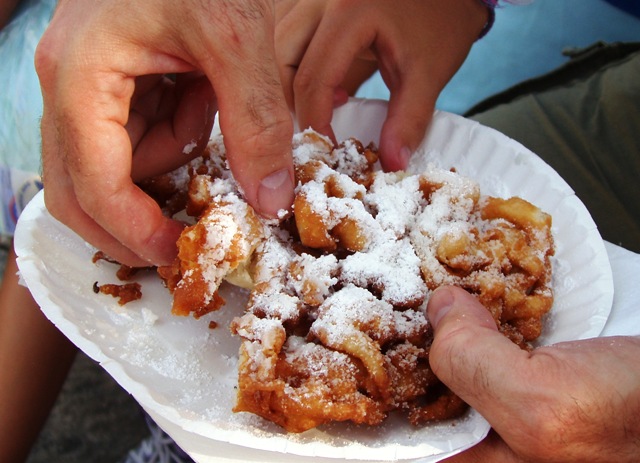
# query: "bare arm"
{"type": "Point", "coordinates": [7, 7]}
{"type": "Point", "coordinates": [34, 360]}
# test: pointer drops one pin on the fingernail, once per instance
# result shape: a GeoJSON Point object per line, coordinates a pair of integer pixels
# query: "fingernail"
{"type": "Point", "coordinates": [440, 303]}
{"type": "Point", "coordinates": [163, 243]}
{"type": "Point", "coordinates": [275, 193]}
{"type": "Point", "coordinates": [404, 156]}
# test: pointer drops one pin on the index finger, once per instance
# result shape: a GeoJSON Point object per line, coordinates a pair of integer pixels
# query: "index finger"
{"type": "Point", "coordinates": [88, 185]}
{"type": "Point", "coordinates": [317, 77]}
{"type": "Point", "coordinates": [411, 106]}
{"type": "Point", "coordinates": [253, 114]}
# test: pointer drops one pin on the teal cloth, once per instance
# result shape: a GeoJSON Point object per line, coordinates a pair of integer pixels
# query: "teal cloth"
{"type": "Point", "coordinates": [21, 99]}
{"type": "Point", "coordinates": [20, 110]}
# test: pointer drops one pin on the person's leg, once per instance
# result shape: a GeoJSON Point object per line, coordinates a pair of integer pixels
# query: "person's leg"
{"type": "Point", "coordinates": [585, 123]}
{"type": "Point", "coordinates": [34, 361]}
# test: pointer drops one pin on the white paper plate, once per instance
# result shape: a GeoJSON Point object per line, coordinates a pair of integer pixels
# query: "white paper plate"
{"type": "Point", "coordinates": [184, 373]}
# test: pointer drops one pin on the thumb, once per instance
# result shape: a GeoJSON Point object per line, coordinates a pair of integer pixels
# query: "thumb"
{"type": "Point", "coordinates": [472, 357]}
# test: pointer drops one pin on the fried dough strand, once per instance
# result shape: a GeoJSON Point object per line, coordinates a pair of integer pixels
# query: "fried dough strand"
{"type": "Point", "coordinates": [335, 326]}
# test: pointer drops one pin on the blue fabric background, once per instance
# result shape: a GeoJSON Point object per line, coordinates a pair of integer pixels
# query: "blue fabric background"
{"type": "Point", "coordinates": [527, 41]}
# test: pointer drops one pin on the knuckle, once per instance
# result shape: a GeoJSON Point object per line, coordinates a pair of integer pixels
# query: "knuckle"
{"type": "Point", "coordinates": [271, 138]}
{"type": "Point", "coordinates": [268, 114]}
{"type": "Point", "coordinates": [305, 80]}
{"type": "Point", "coordinates": [45, 58]}
{"type": "Point", "coordinates": [234, 17]}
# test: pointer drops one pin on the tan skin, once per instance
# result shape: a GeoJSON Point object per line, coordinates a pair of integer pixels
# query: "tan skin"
{"type": "Point", "coordinates": [34, 360]}
{"type": "Point", "coordinates": [571, 402]}
{"type": "Point", "coordinates": [7, 7]}
{"type": "Point", "coordinates": [30, 347]}
{"type": "Point", "coordinates": [94, 151]}
{"type": "Point", "coordinates": [110, 118]}
{"type": "Point", "coordinates": [417, 48]}
{"type": "Point", "coordinates": [225, 55]}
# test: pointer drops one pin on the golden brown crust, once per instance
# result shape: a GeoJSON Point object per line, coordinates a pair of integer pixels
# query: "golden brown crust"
{"type": "Point", "coordinates": [335, 326]}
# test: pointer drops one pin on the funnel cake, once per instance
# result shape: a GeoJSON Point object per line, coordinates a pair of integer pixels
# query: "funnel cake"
{"type": "Point", "coordinates": [335, 326]}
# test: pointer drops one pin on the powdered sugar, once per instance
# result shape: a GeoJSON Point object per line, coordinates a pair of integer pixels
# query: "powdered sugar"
{"type": "Point", "coordinates": [350, 312]}
{"type": "Point", "coordinates": [395, 201]}
{"type": "Point", "coordinates": [391, 267]}
{"type": "Point", "coordinates": [189, 147]}
{"type": "Point", "coordinates": [348, 275]}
